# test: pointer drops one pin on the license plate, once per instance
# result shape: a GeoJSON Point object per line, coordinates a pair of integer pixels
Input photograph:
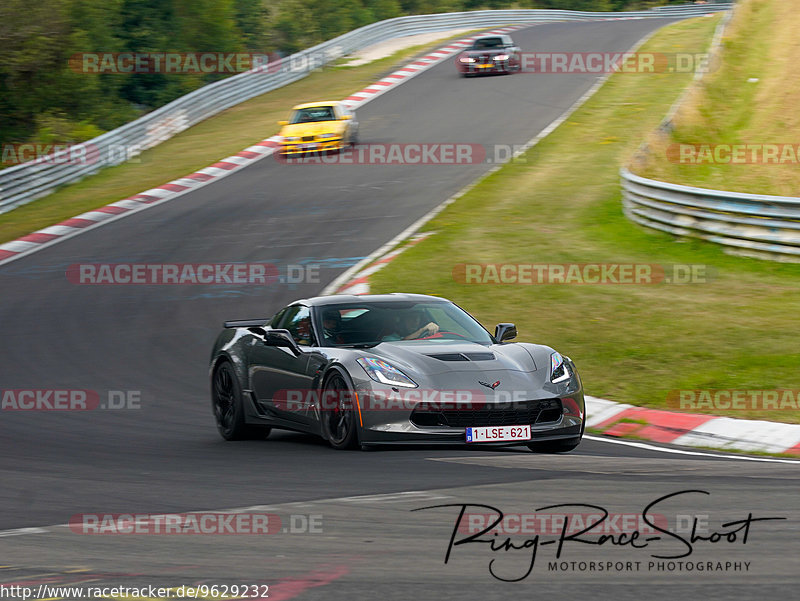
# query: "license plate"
{"type": "Point", "coordinates": [498, 433]}
{"type": "Point", "coordinates": [308, 146]}
{"type": "Point", "coordinates": [486, 65]}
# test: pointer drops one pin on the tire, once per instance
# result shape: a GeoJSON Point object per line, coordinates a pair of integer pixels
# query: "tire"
{"type": "Point", "coordinates": [228, 406]}
{"type": "Point", "coordinates": [555, 446]}
{"type": "Point", "coordinates": [339, 424]}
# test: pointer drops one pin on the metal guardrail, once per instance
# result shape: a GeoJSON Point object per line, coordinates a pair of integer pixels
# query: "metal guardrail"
{"type": "Point", "coordinates": [24, 183]}
{"type": "Point", "coordinates": [755, 225]}
{"type": "Point", "coordinates": [758, 225]}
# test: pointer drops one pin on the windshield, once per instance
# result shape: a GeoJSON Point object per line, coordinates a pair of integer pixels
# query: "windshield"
{"type": "Point", "coordinates": [368, 324]}
{"type": "Point", "coordinates": [317, 113]}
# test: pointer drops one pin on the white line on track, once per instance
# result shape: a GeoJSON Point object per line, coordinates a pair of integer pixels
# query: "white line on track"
{"type": "Point", "coordinates": [649, 447]}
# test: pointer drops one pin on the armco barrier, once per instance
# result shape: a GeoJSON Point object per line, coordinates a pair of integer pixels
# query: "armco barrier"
{"type": "Point", "coordinates": [23, 183]}
{"type": "Point", "coordinates": [757, 225]}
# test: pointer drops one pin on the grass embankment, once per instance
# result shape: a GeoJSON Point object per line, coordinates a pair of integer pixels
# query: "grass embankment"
{"type": "Point", "coordinates": [632, 343]}
{"type": "Point", "coordinates": [200, 146]}
{"type": "Point", "coordinates": [749, 97]}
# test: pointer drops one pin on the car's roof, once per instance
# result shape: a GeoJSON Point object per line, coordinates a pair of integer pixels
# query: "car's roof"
{"type": "Point", "coordinates": [309, 105]}
{"type": "Point", "coordinates": [340, 299]}
{"type": "Point", "coordinates": [503, 38]}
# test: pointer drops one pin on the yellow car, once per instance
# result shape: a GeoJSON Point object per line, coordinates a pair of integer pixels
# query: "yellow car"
{"type": "Point", "coordinates": [318, 127]}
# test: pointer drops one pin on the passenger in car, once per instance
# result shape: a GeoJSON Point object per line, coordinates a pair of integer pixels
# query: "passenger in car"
{"type": "Point", "coordinates": [409, 326]}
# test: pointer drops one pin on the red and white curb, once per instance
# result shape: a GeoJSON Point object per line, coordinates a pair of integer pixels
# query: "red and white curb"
{"type": "Point", "coordinates": [48, 236]}
{"type": "Point", "coordinates": [691, 429]}
{"type": "Point", "coordinates": [31, 243]}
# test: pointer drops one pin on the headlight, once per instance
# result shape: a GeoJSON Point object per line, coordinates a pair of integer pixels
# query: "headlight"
{"type": "Point", "coordinates": [559, 372]}
{"type": "Point", "coordinates": [501, 57]}
{"type": "Point", "coordinates": [291, 139]}
{"type": "Point", "coordinates": [382, 372]}
{"type": "Point", "coordinates": [467, 59]}
{"type": "Point", "coordinates": [327, 136]}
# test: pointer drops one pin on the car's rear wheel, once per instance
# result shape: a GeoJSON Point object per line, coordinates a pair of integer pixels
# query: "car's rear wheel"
{"type": "Point", "coordinates": [339, 418]}
{"type": "Point", "coordinates": [555, 446]}
{"type": "Point", "coordinates": [228, 406]}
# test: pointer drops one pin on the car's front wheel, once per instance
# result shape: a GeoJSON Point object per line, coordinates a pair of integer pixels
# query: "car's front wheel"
{"type": "Point", "coordinates": [339, 414]}
{"type": "Point", "coordinates": [228, 406]}
{"type": "Point", "coordinates": [555, 446]}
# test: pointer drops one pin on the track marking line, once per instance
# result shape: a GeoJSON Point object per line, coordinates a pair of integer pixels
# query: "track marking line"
{"type": "Point", "coordinates": [649, 447]}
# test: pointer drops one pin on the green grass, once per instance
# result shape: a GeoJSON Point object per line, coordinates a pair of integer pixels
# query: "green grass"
{"type": "Point", "coordinates": [200, 146]}
{"type": "Point", "coordinates": [761, 42]}
{"type": "Point", "coordinates": [632, 343]}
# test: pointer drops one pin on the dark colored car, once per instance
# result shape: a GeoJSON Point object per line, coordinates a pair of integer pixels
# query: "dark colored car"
{"type": "Point", "coordinates": [393, 368]}
{"type": "Point", "coordinates": [489, 54]}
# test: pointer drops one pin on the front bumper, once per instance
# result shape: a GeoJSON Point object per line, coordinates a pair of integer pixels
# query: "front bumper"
{"type": "Point", "coordinates": [478, 69]}
{"type": "Point", "coordinates": [457, 436]}
{"type": "Point", "coordinates": [301, 148]}
{"type": "Point", "coordinates": [403, 425]}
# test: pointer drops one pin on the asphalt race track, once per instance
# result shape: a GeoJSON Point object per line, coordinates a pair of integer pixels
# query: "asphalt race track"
{"type": "Point", "coordinates": [152, 343]}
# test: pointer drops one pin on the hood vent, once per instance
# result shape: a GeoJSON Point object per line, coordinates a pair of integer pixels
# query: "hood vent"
{"type": "Point", "coordinates": [464, 356]}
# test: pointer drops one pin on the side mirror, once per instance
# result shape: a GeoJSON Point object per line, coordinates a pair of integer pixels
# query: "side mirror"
{"type": "Point", "coordinates": [281, 338]}
{"type": "Point", "coordinates": [505, 331]}
{"type": "Point", "coordinates": [283, 123]}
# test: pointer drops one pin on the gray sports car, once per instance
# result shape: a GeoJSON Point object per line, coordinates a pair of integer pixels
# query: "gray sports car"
{"type": "Point", "coordinates": [393, 368]}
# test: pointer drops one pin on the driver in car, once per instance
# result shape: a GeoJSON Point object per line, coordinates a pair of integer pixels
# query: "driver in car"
{"type": "Point", "coordinates": [331, 326]}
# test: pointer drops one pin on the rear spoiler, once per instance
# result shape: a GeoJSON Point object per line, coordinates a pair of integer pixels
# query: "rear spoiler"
{"type": "Point", "coordinates": [246, 323]}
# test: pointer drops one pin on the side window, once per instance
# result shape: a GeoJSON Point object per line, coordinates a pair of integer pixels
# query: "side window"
{"type": "Point", "coordinates": [298, 322]}
{"type": "Point", "coordinates": [277, 318]}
